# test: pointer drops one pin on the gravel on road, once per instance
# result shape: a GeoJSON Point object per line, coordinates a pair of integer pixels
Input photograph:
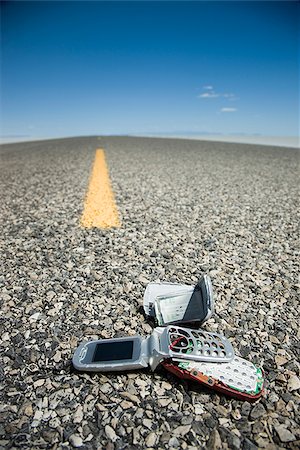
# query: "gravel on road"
{"type": "Point", "coordinates": [187, 208]}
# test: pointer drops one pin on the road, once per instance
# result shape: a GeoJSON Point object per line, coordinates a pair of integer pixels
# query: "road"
{"type": "Point", "coordinates": [186, 208]}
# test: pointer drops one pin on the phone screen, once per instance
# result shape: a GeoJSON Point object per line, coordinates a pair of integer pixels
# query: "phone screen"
{"type": "Point", "coordinates": [113, 351]}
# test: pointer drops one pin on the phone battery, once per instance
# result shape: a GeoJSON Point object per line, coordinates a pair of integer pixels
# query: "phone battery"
{"type": "Point", "coordinates": [172, 307]}
{"type": "Point", "coordinates": [171, 303]}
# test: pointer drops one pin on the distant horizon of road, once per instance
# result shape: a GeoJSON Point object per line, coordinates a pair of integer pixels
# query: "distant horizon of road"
{"type": "Point", "coordinates": [278, 141]}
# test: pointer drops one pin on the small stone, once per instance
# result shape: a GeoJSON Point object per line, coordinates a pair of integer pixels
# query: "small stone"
{"type": "Point", "coordinates": [236, 414]}
{"type": "Point", "coordinates": [273, 397]}
{"type": "Point", "coordinates": [173, 442]}
{"type": "Point", "coordinates": [234, 441]}
{"type": "Point", "coordinates": [55, 423]}
{"type": "Point", "coordinates": [136, 436]}
{"type": "Point", "coordinates": [280, 360]}
{"type": "Point", "coordinates": [105, 388]}
{"type": "Point", "coordinates": [143, 280]}
{"type": "Point", "coordinates": [257, 412]}
{"type": "Point", "coordinates": [165, 437]}
{"type": "Point", "coordinates": [75, 440]}
{"type": "Point", "coordinates": [87, 271]}
{"type": "Point", "coordinates": [263, 442]}
{"type": "Point", "coordinates": [210, 422]}
{"type": "Point", "coordinates": [281, 378]}
{"type": "Point", "coordinates": [28, 411]}
{"type": "Point", "coordinates": [50, 436]}
{"type": "Point", "coordinates": [248, 445]}
{"type": "Point", "coordinates": [57, 357]}
{"type": "Point", "coordinates": [222, 411]}
{"type": "Point", "coordinates": [150, 439]}
{"type": "Point", "coordinates": [245, 409]}
{"type": "Point", "coordinates": [146, 327]}
{"type": "Point", "coordinates": [164, 401]}
{"type": "Point", "coordinates": [147, 423]}
{"type": "Point", "coordinates": [39, 383]}
{"type": "Point", "coordinates": [290, 406]}
{"type": "Point", "coordinates": [38, 415]}
{"type": "Point", "coordinates": [214, 442]}
{"type": "Point", "coordinates": [284, 434]}
{"type": "Point", "coordinates": [293, 384]}
{"type": "Point", "coordinates": [223, 421]}
{"type": "Point", "coordinates": [79, 249]}
{"type": "Point", "coordinates": [109, 446]}
{"type": "Point", "coordinates": [281, 408]}
{"type": "Point", "coordinates": [33, 276]}
{"type": "Point", "coordinates": [101, 407]}
{"type": "Point", "coordinates": [131, 397]}
{"type": "Point", "coordinates": [165, 254]}
{"type": "Point", "coordinates": [126, 405]}
{"type": "Point", "coordinates": [198, 409]}
{"type": "Point", "coordinates": [34, 316]}
{"type": "Point", "coordinates": [274, 340]}
{"type": "Point", "coordinates": [50, 295]}
{"type": "Point", "coordinates": [110, 433]}
{"type": "Point", "coordinates": [182, 430]}
{"type": "Point", "coordinates": [78, 416]}
{"type": "Point", "coordinates": [27, 334]}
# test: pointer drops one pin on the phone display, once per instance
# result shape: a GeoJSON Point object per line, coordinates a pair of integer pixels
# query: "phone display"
{"type": "Point", "coordinates": [107, 351]}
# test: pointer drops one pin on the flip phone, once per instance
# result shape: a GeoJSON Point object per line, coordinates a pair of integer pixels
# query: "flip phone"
{"type": "Point", "coordinates": [131, 353]}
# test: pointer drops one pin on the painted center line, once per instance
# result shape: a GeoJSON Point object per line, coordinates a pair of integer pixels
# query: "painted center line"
{"type": "Point", "coordinates": [100, 209]}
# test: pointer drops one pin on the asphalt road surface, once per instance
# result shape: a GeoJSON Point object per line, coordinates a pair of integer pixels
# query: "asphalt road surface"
{"type": "Point", "coordinates": [186, 208]}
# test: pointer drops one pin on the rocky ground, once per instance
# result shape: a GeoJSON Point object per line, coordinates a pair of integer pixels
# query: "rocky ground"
{"type": "Point", "coordinates": [187, 208]}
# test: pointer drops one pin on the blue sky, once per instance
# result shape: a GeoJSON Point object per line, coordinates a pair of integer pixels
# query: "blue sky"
{"type": "Point", "coordinates": [80, 68]}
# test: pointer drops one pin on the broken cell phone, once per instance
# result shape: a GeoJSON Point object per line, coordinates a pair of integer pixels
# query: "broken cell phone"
{"type": "Point", "coordinates": [131, 353]}
{"type": "Point", "coordinates": [238, 378]}
{"type": "Point", "coordinates": [171, 303]}
{"type": "Point", "coordinates": [206, 358]}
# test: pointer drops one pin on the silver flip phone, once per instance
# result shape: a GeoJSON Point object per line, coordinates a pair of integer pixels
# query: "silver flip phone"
{"type": "Point", "coordinates": [131, 353]}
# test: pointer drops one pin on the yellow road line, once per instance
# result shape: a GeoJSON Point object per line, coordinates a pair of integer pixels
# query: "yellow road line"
{"type": "Point", "coordinates": [100, 209]}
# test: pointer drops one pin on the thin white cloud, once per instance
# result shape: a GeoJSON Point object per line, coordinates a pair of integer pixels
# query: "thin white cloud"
{"type": "Point", "coordinates": [209, 95]}
{"type": "Point", "coordinates": [228, 110]}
